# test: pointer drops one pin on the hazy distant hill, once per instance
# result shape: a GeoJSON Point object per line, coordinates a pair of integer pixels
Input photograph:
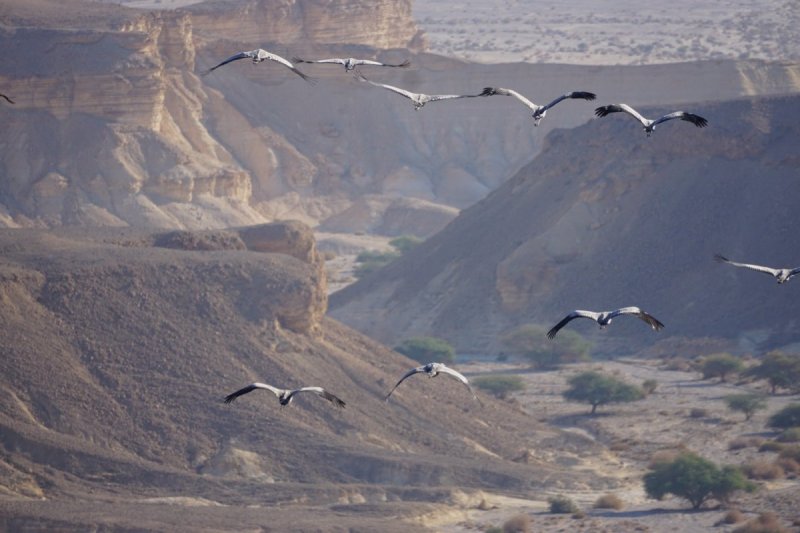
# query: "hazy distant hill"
{"type": "Point", "coordinates": [605, 217]}
{"type": "Point", "coordinates": [118, 346]}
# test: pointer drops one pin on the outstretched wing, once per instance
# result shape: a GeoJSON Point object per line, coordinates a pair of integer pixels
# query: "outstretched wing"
{"type": "Point", "coordinates": [250, 388]}
{"type": "Point", "coordinates": [635, 311]}
{"type": "Point", "coordinates": [407, 375]}
{"type": "Point", "coordinates": [436, 97]}
{"type": "Point", "coordinates": [9, 100]}
{"type": "Point", "coordinates": [459, 376]}
{"type": "Point", "coordinates": [757, 268]}
{"type": "Point", "coordinates": [404, 64]}
{"type": "Point", "coordinates": [392, 88]}
{"type": "Point", "coordinates": [794, 272]}
{"type": "Point", "coordinates": [567, 319]}
{"type": "Point", "coordinates": [491, 91]}
{"type": "Point", "coordinates": [236, 57]}
{"type": "Point", "coordinates": [336, 60]}
{"type": "Point", "coordinates": [582, 95]}
{"type": "Point", "coordinates": [697, 120]}
{"type": "Point", "coordinates": [602, 111]}
{"type": "Point", "coordinates": [319, 391]}
{"type": "Point", "coordinates": [264, 54]}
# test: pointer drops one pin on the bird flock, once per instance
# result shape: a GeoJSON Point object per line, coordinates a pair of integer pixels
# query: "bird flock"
{"type": "Point", "coordinates": [538, 112]}
{"type": "Point", "coordinates": [419, 100]}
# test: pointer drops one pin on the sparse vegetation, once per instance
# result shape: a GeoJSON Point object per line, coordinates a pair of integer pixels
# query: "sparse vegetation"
{"type": "Point", "coordinates": [765, 523]}
{"type": "Point", "coordinates": [762, 470]}
{"type": "Point", "coordinates": [694, 479]}
{"type": "Point", "coordinates": [734, 516]}
{"type": "Point", "coordinates": [649, 386]}
{"type": "Point", "coordinates": [789, 435]}
{"type": "Point", "coordinates": [740, 443]}
{"type": "Point", "coordinates": [609, 501]}
{"type": "Point", "coordinates": [747, 404]}
{"type": "Point", "coordinates": [779, 370]}
{"type": "Point", "coordinates": [698, 412]}
{"type": "Point", "coordinates": [500, 386]}
{"type": "Point", "coordinates": [371, 260]}
{"type": "Point", "coordinates": [530, 341]}
{"type": "Point", "coordinates": [598, 389]}
{"type": "Point", "coordinates": [427, 349]}
{"type": "Point", "coordinates": [720, 365]}
{"type": "Point", "coordinates": [787, 417]}
{"type": "Point", "coordinates": [562, 505]}
{"type": "Point", "coordinates": [520, 523]}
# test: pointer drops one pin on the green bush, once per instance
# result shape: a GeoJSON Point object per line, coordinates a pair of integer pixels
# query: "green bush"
{"type": "Point", "coordinates": [746, 404]}
{"type": "Point", "coordinates": [405, 243]}
{"type": "Point", "coordinates": [500, 386]}
{"type": "Point", "coordinates": [720, 365]}
{"type": "Point", "coordinates": [695, 479]}
{"type": "Point", "coordinates": [427, 349]}
{"type": "Point", "coordinates": [530, 341]}
{"type": "Point", "coordinates": [370, 261]}
{"type": "Point", "coordinates": [562, 505]}
{"type": "Point", "coordinates": [779, 369]}
{"type": "Point", "coordinates": [598, 389]}
{"type": "Point", "coordinates": [787, 417]}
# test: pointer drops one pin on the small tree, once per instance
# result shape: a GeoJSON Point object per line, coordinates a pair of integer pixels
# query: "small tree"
{"type": "Point", "coordinates": [787, 417]}
{"type": "Point", "coordinates": [720, 365]}
{"type": "Point", "coordinates": [500, 386]}
{"type": "Point", "coordinates": [404, 243]}
{"type": "Point", "coordinates": [427, 349]}
{"type": "Point", "coordinates": [695, 479]}
{"type": "Point", "coordinates": [531, 342]}
{"type": "Point", "coordinates": [747, 404]}
{"type": "Point", "coordinates": [597, 389]}
{"type": "Point", "coordinates": [779, 370]}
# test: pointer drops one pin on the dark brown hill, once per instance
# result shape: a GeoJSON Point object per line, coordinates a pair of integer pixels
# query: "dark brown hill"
{"type": "Point", "coordinates": [116, 354]}
{"type": "Point", "coordinates": [605, 217]}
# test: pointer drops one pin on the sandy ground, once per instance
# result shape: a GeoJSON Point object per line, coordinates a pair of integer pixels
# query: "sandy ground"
{"type": "Point", "coordinates": [611, 31]}
{"type": "Point", "coordinates": [632, 433]}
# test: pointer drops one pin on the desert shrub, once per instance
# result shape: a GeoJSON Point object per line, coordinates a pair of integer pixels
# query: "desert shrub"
{"type": "Point", "coordinates": [778, 369]}
{"type": "Point", "coordinates": [530, 341]}
{"type": "Point", "coordinates": [720, 365]}
{"type": "Point", "coordinates": [762, 470]}
{"type": "Point", "coordinates": [746, 404]}
{"type": "Point", "coordinates": [328, 255]}
{"type": "Point", "coordinates": [772, 446]}
{"type": "Point", "coordinates": [609, 501]}
{"type": "Point", "coordinates": [679, 364]}
{"type": "Point", "coordinates": [663, 456]}
{"type": "Point", "coordinates": [740, 443]}
{"type": "Point", "coordinates": [500, 386]}
{"type": "Point", "coordinates": [698, 412]}
{"type": "Point", "coordinates": [562, 505]}
{"type": "Point", "coordinates": [790, 452]}
{"type": "Point", "coordinates": [520, 523]}
{"type": "Point", "coordinates": [404, 243]}
{"type": "Point", "coordinates": [764, 523]}
{"type": "Point", "coordinates": [598, 389]}
{"type": "Point", "coordinates": [370, 261]}
{"type": "Point", "coordinates": [427, 349]}
{"type": "Point", "coordinates": [789, 435]}
{"type": "Point", "coordinates": [734, 516]}
{"type": "Point", "coordinates": [790, 466]}
{"type": "Point", "coordinates": [649, 386]}
{"type": "Point", "coordinates": [787, 417]}
{"type": "Point", "coordinates": [694, 479]}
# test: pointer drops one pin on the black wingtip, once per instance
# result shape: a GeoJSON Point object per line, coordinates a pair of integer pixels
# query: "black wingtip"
{"type": "Point", "coordinates": [229, 398]}
{"type": "Point", "coordinates": [404, 64]}
{"type": "Point", "coordinates": [584, 95]}
{"type": "Point", "coordinates": [720, 258]}
{"type": "Point", "coordinates": [552, 333]}
{"type": "Point", "coordinates": [601, 111]}
{"type": "Point", "coordinates": [296, 59]}
{"type": "Point", "coordinates": [488, 91]}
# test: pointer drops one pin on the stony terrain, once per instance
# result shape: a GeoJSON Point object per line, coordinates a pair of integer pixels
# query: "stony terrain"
{"type": "Point", "coordinates": [606, 217]}
{"type": "Point", "coordinates": [611, 32]}
{"type": "Point", "coordinates": [118, 346]}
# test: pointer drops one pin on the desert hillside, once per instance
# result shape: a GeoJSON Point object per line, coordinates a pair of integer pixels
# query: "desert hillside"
{"type": "Point", "coordinates": [119, 345]}
{"type": "Point", "coordinates": [115, 125]}
{"type": "Point", "coordinates": [606, 217]}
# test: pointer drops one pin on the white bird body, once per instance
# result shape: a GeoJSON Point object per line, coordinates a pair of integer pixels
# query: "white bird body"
{"type": "Point", "coordinates": [648, 124]}
{"type": "Point", "coordinates": [539, 111]}
{"type": "Point", "coordinates": [782, 275]}
{"type": "Point", "coordinates": [351, 63]}
{"type": "Point", "coordinates": [285, 396]}
{"type": "Point", "coordinates": [418, 99]}
{"type": "Point", "coordinates": [433, 370]}
{"type": "Point", "coordinates": [258, 55]}
{"type": "Point", "coordinates": [604, 318]}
